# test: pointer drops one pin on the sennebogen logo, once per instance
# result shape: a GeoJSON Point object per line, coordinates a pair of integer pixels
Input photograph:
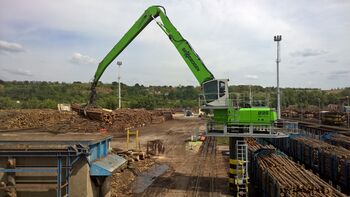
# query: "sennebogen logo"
{"type": "Point", "coordinates": [188, 55]}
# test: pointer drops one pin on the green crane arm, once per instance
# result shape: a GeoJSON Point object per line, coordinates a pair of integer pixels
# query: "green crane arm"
{"type": "Point", "coordinates": [193, 61]}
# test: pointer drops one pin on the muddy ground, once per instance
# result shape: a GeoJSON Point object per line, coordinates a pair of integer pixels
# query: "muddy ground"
{"type": "Point", "coordinates": [192, 170]}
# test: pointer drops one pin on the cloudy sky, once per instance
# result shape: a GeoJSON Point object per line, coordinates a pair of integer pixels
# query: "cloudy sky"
{"type": "Point", "coordinates": [65, 40]}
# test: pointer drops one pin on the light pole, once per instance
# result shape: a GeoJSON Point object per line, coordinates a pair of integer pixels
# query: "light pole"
{"type": "Point", "coordinates": [250, 96]}
{"type": "Point", "coordinates": [348, 111]}
{"type": "Point", "coordinates": [319, 110]}
{"type": "Point", "coordinates": [119, 63]}
{"type": "Point", "coordinates": [277, 39]}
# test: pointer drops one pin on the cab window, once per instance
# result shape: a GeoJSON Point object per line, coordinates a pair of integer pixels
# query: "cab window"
{"type": "Point", "coordinates": [222, 89]}
{"type": "Point", "coordinates": [211, 91]}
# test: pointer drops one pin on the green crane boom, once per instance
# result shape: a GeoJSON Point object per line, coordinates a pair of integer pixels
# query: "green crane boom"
{"type": "Point", "coordinates": [228, 119]}
{"type": "Point", "coordinates": [191, 58]}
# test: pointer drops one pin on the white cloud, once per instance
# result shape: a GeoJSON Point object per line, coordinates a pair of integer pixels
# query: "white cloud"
{"type": "Point", "coordinates": [251, 76]}
{"type": "Point", "coordinates": [233, 38]}
{"type": "Point", "coordinates": [82, 59]}
{"type": "Point", "coordinates": [18, 71]}
{"type": "Point", "coordinates": [308, 53]}
{"type": "Point", "coordinates": [10, 46]}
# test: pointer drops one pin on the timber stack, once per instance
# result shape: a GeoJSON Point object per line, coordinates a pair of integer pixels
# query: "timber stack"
{"type": "Point", "coordinates": [127, 117]}
{"type": "Point", "coordinates": [331, 162]}
{"type": "Point", "coordinates": [337, 139]}
{"type": "Point", "coordinates": [279, 176]}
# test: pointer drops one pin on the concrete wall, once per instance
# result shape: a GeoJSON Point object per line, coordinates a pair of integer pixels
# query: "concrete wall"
{"type": "Point", "coordinates": [81, 184]}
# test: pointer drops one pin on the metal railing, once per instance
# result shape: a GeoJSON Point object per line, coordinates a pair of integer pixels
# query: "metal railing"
{"type": "Point", "coordinates": [215, 128]}
{"type": "Point", "coordinates": [232, 102]}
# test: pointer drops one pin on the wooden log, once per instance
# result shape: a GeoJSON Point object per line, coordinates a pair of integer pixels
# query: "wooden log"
{"type": "Point", "coordinates": [290, 179]}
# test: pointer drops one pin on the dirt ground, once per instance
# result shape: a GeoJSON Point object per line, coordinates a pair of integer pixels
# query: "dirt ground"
{"type": "Point", "coordinates": [185, 169]}
{"type": "Point", "coordinates": [191, 171]}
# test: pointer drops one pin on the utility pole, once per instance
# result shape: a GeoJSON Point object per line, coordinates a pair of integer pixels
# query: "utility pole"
{"type": "Point", "coordinates": [348, 111]}
{"type": "Point", "coordinates": [319, 110]}
{"type": "Point", "coordinates": [119, 63]}
{"type": "Point", "coordinates": [250, 96]}
{"type": "Point", "coordinates": [277, 39]}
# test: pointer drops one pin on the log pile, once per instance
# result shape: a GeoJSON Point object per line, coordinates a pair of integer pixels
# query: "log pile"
{"type": "Point", "coordinates": [131, 156]}
{"type": "Point", "coordinates": [85, 121]}
{"type": "Point", "coordinates": [339, 140]}
{"type": "Point", "coordinates": [279, 176]}
{"type": "Point", "coordinates": [331, 162]}
{"type": "Point", "coordinates": [116, 120]}
{"type": "Point", "coordinates": [253, 146]}
{"type": "Point", "coordinates": [31, 118]}
{"type": "Point", "coordinates": [334, 163]}
{"type": "Point", "coordinates": [96, 114]}
{"type": "Point", "coordinates": [159, 116]}
{"type": "Point", "coordinates": [155, 147]}
{"type": "Point", "coordinates": [131, 117]}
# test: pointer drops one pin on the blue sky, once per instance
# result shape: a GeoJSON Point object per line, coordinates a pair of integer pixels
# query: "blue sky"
{"type": "Point", "coordinates": [65, 40]}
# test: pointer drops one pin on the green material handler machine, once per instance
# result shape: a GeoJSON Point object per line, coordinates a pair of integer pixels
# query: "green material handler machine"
{"type": "Point", "coordinates": [225, 118]}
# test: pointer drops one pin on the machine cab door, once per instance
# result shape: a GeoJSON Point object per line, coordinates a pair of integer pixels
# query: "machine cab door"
{"type": "Point", "coordinates": [216, 92]}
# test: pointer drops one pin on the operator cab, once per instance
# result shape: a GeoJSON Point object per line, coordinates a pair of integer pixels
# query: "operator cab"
{"type": "Point", "coordinates": [216, 92]}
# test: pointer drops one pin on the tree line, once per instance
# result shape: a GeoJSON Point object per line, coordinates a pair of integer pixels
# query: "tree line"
{"type": "Point", "coordinates": [42, 94]}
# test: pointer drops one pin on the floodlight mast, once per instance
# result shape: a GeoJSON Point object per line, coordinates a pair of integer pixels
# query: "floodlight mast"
{"type": "Point", "coordinates": [277, 39]}
{"type": "Point", "coordinates": [119, 63]}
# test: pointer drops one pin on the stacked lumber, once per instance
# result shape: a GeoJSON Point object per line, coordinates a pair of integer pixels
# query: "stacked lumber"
{"type": "Point", "coordinates": [96, 114]}
{"type": "Point", "coordinates": [116, 120]}
{"type": "Point", "coordinates": [331, 162]}
{"type": "Point", "coordinates": [339, 140]}
{"type": "Point", "coordinates": [307, 150]}
{"type": "Point", "coordinates": [335, 163]}
{"type": "Point", "coordinates": [253, 146]}
{"type": "Point", "coordinates": [279, 176]}
{"type": "Point", "coordinates": [131, 156]}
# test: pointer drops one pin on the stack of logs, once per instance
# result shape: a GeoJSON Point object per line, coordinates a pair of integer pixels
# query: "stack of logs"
{"type": "Point", "coordinates": [279, 176]}
{"type": "Point", "coordinates": [94, 114]}
{"type": "Point", "coordinates": [122, 116]}
{"type": "Point", "coordinates": [331, 162]}
{"type": "Point", "coordinates": [131, 156]}
{"type": "Point", "coordinates": [31, 118]}
{"type": "Point", "coordinates": [155, 147]}
{"type": "Point", "coordinates": [339, 140]}
{"type": "Point", "coordinates": [159, 116]}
